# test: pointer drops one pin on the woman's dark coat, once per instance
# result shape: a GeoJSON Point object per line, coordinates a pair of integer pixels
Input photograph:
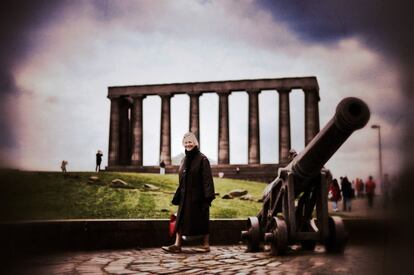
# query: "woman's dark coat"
{"type": "Point", "coordinates": [194, 194]}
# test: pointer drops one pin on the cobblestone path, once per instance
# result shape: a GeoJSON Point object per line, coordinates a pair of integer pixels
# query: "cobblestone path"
{"type": "Point", "coordinates": [221, 260]}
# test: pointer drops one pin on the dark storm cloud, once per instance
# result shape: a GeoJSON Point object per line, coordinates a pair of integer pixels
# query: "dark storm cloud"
{"type": "Point", "coordinates": [18, 22]}
{"type": "Point", "coordinates": [383, 25]}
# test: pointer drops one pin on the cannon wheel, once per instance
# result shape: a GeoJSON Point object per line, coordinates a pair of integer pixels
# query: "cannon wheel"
{"type": "Point", "coordinates": [253, 240]}
{"type": "Point", "coordinates": [337, 236]}
{"type": "Point", "coordinates": [308, 244]}
{"type": "Point", "coordinates": [280, 237]}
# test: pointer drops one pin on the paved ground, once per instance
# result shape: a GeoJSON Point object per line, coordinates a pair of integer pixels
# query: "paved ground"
{"type": "Point", "coordinates": [221, 260]}
{"type": "Point", "coordinates": [360, 209]}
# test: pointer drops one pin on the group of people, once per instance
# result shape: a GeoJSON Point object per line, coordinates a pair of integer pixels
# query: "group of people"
{"type": "Point", "coordinates": [366, 189]}
{"type": "Point", "coordinates": [347, 191]}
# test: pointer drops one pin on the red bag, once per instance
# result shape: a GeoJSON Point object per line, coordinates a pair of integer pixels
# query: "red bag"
{"type": "Point", "coordinates": [173, 219]}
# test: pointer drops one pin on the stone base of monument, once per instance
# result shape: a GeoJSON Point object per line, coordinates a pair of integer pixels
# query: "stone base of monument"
{"type": "Point", "coordinates": [255, 172]}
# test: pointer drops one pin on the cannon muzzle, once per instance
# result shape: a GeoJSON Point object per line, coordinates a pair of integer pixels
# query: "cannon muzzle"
{"type": "Point", "coordinates": [351, 114]}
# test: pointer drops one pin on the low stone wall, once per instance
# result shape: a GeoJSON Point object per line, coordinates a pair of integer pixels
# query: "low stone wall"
{"type": "Point", "coordinates": [114, 234]}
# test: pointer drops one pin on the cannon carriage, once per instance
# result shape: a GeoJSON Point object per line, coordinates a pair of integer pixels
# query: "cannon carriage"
{"type": "Point", "coordinates": [301, 188]}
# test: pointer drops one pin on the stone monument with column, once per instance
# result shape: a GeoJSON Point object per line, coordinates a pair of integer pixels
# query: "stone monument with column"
{"type": "Point", "coordinates": [126, 123]}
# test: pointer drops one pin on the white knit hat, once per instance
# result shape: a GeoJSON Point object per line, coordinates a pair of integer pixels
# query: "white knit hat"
{"type": "Point", "coordinates": [190, 136]}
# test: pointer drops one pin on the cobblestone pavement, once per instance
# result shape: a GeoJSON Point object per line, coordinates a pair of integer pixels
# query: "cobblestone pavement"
{"type": "Point", "coordinates": [221, 260]}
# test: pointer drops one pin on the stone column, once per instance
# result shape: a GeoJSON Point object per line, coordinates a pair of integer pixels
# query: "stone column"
{"type": "Point", "coordinates": [254, 137]}
{"type": "Point", "coordinates": [114, 133]}
{"type": "Point", "coordinates": [284, 126]}
{"type": "Point", "coordinates": [223, 142]}
{"type": "Point", "coordinates": [195, 115]}
{"type": "Point", "coordinates": [137, 130]}
{"type": "Point", "coordinates": [165, 137]}
{"type": "Point", "coordinates": [311, 114]}
{"type": "Point", "coordinates": [125, 137]}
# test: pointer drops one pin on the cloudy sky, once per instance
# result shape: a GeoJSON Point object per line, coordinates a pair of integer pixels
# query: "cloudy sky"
{"type": "Point", "coordinates": [59, 57]}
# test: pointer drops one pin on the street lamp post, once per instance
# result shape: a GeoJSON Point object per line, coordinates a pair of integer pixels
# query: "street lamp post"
{"type": "Point", "coordinates": [376, 126]}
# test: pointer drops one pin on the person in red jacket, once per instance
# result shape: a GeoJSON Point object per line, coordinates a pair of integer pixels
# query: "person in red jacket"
{"type": "Point", "coordinates": [334, 194]}
{"type": "Point", "coordinates": [370, 190]}
{"type": "Point", "coordinates": [359, 187]}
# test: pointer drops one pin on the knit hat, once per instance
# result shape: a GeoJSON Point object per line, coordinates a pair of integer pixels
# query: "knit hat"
{"type": "Point", "coordinates": [190, 136]}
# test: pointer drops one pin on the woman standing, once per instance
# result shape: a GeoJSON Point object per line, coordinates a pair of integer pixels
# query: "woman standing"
{"type": "Point", "coordinates": [193, 196]}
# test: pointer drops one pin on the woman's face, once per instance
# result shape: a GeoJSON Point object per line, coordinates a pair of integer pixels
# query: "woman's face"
{"type": "Point", "coordinates": [189, 145]}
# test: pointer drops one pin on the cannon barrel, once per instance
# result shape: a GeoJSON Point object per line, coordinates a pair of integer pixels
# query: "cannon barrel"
{"type": "Point", "coordinates": [351, 114]}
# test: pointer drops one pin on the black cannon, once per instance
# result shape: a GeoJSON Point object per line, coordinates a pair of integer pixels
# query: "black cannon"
{"type": "Point", "coordinates": [289, 202]}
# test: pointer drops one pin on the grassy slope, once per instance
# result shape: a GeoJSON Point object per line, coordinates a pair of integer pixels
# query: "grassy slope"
{"type": "Point", "coordinates": [49, 195]}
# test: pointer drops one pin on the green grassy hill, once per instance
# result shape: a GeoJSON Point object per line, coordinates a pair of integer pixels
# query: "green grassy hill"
{"type": "Point", "coordinates": [50, 195]}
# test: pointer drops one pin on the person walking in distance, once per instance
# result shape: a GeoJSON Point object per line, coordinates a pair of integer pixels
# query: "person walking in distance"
{"type": "Point", "coordinates": [193, 196]}
{"type": "Point", "coordinates": [63, 165]}
{"type": "Point", "coordinates": [370, 190]}
{"type": "Point", "coordinates": [162, 167]}
{"type": "Point", "coordinates": [359, 187]}
{"type": "Point", "coordinates": [98, 160]}
{"type": "Point", "coordinates": [334, 194]}
{"type": "Point", "coordinates": [347, 194]}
